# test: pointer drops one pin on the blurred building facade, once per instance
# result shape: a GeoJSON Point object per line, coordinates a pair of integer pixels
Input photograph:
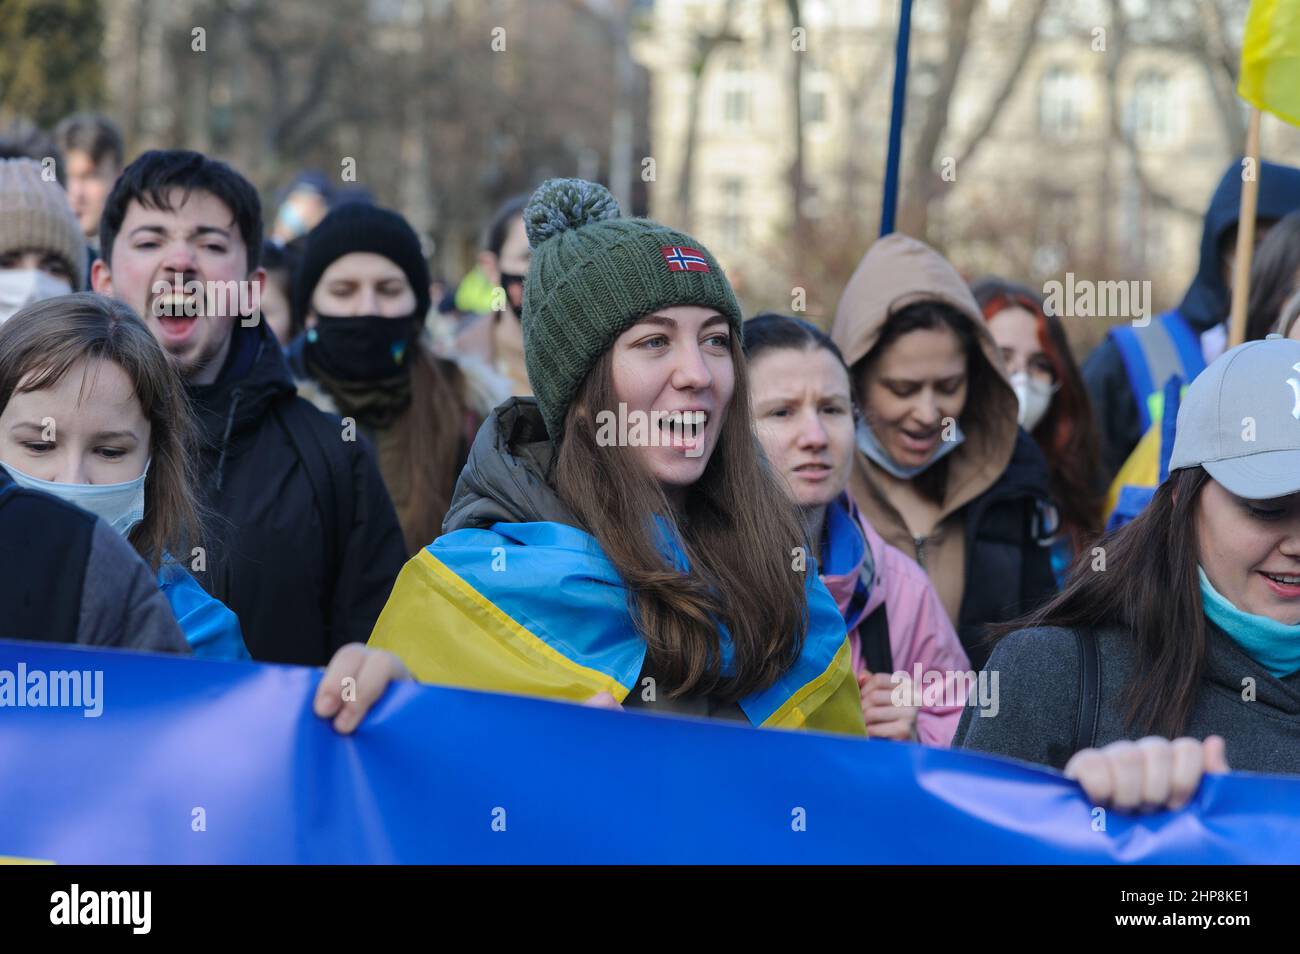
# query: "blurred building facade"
{"type": "Point", "coordinates": [1072, 137]}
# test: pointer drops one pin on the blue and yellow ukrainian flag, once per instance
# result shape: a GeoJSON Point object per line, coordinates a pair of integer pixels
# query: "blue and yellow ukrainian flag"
{"type": "Point", "coordinates": [537, 609]}
{"type": "Point", "coordinates": [1270, 58]}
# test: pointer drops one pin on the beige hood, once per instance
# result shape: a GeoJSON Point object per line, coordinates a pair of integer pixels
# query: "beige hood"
{"type": "Point", "coordinates": [898, 271]}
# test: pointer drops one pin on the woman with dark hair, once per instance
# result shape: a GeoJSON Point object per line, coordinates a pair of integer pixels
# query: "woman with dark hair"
{"type": "Point", "coordinates": [362, 290]}
{"type": "Point", "coordinates": [903, 643]}
{"type": "Point", "coordinates": [1187, 621]}
{"type": "Point", "coordinates": [618, 539]}
{"type": "Point", "coordinates": [1274, 277]}
{"type": "Point", "coordinates": [91, 411]}
{"type": "Point", "coordinates": [1054, 408]}
{"type": "Point", "coordinates": [497, 338]}
{"type": "Point", "coordinates": [943, 471]}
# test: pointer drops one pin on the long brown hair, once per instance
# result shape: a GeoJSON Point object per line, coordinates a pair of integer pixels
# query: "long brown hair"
{"type": "Point", "coordinates": [1067, 433]}
{"type": "Point", "coordinates": [433, 437]}
{"type": "Point", "coordinates": [738, 530]}
{"type": "Point", "coordinates": [1147, 585]}
{"type": "Point", "coordinates": [41, 343]}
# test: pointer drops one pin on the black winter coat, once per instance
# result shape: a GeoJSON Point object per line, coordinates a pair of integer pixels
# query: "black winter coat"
{"type": "Point", "coordinates": [1008, 559]}
{"type": "Point", "coordinates": [304, 544]}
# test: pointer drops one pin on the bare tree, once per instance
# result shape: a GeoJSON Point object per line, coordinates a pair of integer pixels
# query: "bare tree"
{"type": "Point", "coordinates": [1033, 15]}
{"type": "Point", "coordinates": [1117, 50]}
{"type": "Point", "coordinates": [706, 44]}
{"type": "Point", "coordinates": [922, 182]}
{"type": "Point", "coordinates": [615, 18]}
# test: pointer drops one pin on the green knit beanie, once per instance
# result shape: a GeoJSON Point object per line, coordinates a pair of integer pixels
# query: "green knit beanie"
{"type": "Point", "coordinates": [594, 275]}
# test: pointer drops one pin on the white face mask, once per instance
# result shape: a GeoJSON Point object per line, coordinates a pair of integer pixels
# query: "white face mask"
{"type": "Point", "coordinates": [870, 445]}
{"type": "Point", "coordinates": [20, 287]}
{"type": "Point", "coordinates": [1034, 395]}
{"type": "Point", "coordinates": [121, 506]}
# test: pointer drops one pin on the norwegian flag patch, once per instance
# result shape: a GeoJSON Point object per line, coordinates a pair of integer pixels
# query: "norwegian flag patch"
{"type": "Point", "coordinates": [683, 259]}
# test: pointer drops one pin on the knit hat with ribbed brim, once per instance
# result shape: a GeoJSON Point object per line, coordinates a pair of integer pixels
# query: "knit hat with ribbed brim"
{"type": "Point", "coordinates": [35, 216]}
{"type": "Point", "coordinates": [360, 227]}
{"type": "Point", "coordinates": [594, 275]}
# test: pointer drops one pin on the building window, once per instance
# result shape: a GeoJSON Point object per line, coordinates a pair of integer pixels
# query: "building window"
{"type": "Point", "coordinates": [814, 106]}
{"type": "Point", "coordinates": [815, 83]}
{"type": "Point", "coordinates": [735, 94]}
{"type": "Point", "coordinates": [1151, 110]}
{"type": "Point", "coordinates": [732, 223]}
{"type": "Point", "coordinates": [1060, 104]}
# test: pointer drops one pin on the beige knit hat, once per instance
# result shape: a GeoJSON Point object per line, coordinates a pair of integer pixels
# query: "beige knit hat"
{"type": "Point", "coordinates": [35, 214]}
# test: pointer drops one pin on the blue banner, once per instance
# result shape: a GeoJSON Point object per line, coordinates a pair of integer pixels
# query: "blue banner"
{"type": "Point", "coordinates": [155, 759]}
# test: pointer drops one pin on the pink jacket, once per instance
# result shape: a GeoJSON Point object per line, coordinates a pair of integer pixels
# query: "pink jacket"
{"type": "Point", "coordinates": [919, 629]}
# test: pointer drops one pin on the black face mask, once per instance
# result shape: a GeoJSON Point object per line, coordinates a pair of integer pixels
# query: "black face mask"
{"type": "Point", "coordinates": [508, 283]}
{"type": "Point", "coordinates": [362, 348]}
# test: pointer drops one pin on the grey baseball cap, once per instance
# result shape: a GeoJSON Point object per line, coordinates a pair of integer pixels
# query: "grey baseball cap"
{"type": "Point", "coordinates": [1240, 420]}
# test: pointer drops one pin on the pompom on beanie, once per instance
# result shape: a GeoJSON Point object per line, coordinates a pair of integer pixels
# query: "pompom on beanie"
{"type": "Point", "coordinates": [593, 275]}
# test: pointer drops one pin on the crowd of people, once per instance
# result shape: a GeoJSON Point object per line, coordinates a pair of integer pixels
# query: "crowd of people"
{"type": "Point", "coordinates": [355, 468]}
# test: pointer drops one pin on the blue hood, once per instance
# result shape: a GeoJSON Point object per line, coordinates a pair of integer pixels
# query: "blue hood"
{"type": "Point", "coordinates": [1206, 302]}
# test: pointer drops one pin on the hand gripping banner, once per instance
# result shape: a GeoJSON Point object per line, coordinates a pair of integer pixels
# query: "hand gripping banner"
{"type": "Point", "coordinates": [166, 760]}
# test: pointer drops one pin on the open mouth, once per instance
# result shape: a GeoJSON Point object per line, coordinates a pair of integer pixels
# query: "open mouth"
{"type": "Point", "coordinates": [919, 440]}
{"type": "Point", "coordinates": [177, 318]}
{"type": "Point", "coordinates": [1285, 585]}
{"type": "Point", "coordinates": [684, 429]}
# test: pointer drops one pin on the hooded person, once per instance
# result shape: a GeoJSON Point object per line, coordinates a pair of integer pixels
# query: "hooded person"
{"type": "Point", "coordinates": [943, 471]}
{"type": "Point", "coordinates": [362, 288]}
{"type": "Point", "coordinates": [1126, 374]}
{"type": "Point", "coordinates": [42, 254]}
{"type": "Point", "coordinates": [618, 538]}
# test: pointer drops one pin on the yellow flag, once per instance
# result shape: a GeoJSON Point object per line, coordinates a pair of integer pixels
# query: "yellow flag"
{"type": "Point", "coordinates": [1270, 58]}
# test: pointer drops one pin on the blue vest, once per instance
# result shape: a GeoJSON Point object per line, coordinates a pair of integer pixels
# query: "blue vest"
{"type": "Point", "coordinates": [1152, 354]}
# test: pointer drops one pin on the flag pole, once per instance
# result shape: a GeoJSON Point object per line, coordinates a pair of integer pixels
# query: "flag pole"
{"type": "Point", "coordinates": [890, 202]}
{"type": "Point", "coordinates": [1245, 234]}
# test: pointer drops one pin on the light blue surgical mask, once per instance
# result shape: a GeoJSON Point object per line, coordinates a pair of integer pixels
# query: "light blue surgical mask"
{"type": "Point", "coordinates": [121, 506]}
{"type": "Point", "coordinates": [870, 445]}
{"type": "Point", "coordinates": [1274, 645]}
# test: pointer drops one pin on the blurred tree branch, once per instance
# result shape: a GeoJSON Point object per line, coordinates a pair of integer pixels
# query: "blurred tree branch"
{"type": "Point", "coordinates": [1117, 50]}
{"type": "Point", "coordinates": [705, 46]}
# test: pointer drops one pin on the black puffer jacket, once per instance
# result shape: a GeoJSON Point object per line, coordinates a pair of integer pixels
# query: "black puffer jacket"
{"type": "Point", "coordinates": [506, 479]}
{"type": "Point", "coordinates": [1008, 563]}
{"type": "Point", "coordinates": [303, 543]}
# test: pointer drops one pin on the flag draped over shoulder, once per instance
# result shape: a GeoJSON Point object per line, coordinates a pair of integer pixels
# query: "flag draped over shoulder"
{"type": "Point", "coordinates": [204, 762]}
{"type": "Point", "coordinates": [537, 609]}
{"type": "Point", "coordinates": [1270, 58]}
